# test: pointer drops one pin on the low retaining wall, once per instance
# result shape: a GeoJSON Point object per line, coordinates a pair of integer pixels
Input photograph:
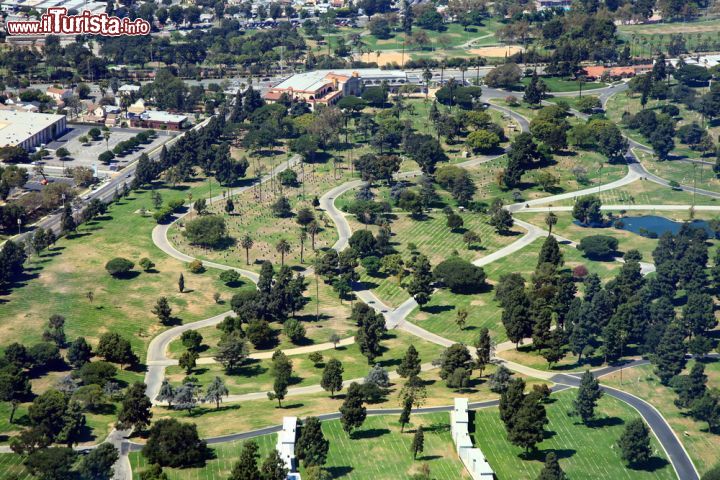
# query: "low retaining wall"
{"type": "Point", "coordinates": [473, 459]}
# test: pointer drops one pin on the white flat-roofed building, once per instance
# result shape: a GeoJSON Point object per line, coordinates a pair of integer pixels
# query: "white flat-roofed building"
{"type": "Point", "coordinates": [28, 130]}
{"type": "Point", "coordinates": [475, 462]}
{"type": "Point", "coordinates": [286, 442]}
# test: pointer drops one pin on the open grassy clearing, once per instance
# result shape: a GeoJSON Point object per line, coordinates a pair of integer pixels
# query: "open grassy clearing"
{"type": "Point", "coordinates": [698, 175]}
{"type": "Point", "coordinates": [255, 375]}
{"type": "Point", "coordinates": [642, 382]}
{"type": "Point", "coordinates": [75, 266]}
{"type": "Point", "coordinates": [332, 318]}
{"type": "Point", "coordinates": [11, 467]}
{"type": "Point", "coordinates": [439, 315]}
{"type": "Point", "coordinates": [584, 452]}
{"type": "Point", "coordinates": [644, 192]}
{"type": "Point", "coordinates": [380, 451]}
{"type": "Point", "coordinates": [555, 84]}
{"type": "Point", "coordinates": [699, 35]}
{"type": "Point", "coordinates": [451, 38]}
{"type": "Point", "coordinates": [224, 457]}
{"type": "Point", "coordinates": [567, 228]}
{"type": "Point", "coordinates": [355, 458]}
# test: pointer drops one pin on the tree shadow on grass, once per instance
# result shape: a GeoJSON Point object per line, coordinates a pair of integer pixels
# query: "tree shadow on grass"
{"type": "Point", "coordinates": [370, 433]}
{"type": "Point", "coordinates": [339, 472]}
{"type": "Point", "coordinates": [251, 368]}
{"type": "Point", "coordinates": [605, 422]}
{"type": "Point", "coordinates": [437, 309]}
{"type": "Point", "coordinates": [540, 455]}
{"type": "Point", "coordinates": [653, 464]}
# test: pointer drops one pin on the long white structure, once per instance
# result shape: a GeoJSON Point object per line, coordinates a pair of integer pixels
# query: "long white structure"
{"type": "Point", "coordinates": [473, 459]}
{"type": "Point", "coordinates": [28, 130]}
{"type": "Point", "coordinates": [286, 446]}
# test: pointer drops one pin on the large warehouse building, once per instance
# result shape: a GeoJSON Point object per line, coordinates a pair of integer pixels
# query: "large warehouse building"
{"type": "Point", "coordinates": [28, 130]}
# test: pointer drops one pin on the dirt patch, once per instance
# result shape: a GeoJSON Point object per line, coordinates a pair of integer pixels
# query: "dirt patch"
{"type": "Point", "coordinates": [386, 57]}
{"type": "Point", "coordinates": [498, 51]}
{"type": "Point", "coordinates": [478, 303]}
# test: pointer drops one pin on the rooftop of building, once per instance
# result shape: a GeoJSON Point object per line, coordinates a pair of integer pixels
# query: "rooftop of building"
{"type": "Point", "coordinates": [17, 126]}
{"type": "Point", "coordinates": [160, 116]}
{"type": "Point", "coordinates": [309, 81]}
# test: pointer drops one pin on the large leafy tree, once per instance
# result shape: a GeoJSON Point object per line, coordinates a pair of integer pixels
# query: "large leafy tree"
{"type": "Point", "coordinates": [635, 443]}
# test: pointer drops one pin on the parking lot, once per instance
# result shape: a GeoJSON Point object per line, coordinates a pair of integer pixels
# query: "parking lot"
{"type": "Point", "coordinates": [86, 155]}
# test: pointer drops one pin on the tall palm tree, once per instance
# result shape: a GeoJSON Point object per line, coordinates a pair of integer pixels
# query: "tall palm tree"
{"type": "Point", "coordinates": [283, 248]}
{"type": "Point", "coordinates": [313, 229]}
{"type": "Point", "coordinates": [427, 76]}
{"type": "Point", "coordinates": [303, 237]}
{"type": "Point", "coordinates": [550, 220]}
{"type": "Point", "coordinates": [247, 243]}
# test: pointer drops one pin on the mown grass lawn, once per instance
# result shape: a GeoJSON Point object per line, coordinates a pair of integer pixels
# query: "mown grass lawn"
{"type": "Point", "coordinates": [574, 170]}
{"type": "Point", "coordinates": [645, 192]}
{"type": "Point", "coordinates": [11, 467]}
{"type": "Point", "coordinates": [255, 375]}
{"type": "Point", "coordinates": [225, 456]}
{"type": "Point", "coordinates": [584, 452]}
{"type": "Point", "coordinates": [60, 280]}
{"type": "Point", "coordinates": [378, 451]}
{"type": "Point", "coordinates": [642, 381]}
{"type": "Point", "coordinates": [555, 84]}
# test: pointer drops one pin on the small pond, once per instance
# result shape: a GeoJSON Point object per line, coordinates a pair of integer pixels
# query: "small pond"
{"type": "Point", "coordinates": [653, 226]}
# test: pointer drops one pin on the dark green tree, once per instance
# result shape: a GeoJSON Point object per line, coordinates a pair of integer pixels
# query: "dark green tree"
{"type": "Point", "coordinates": [669, 355]}
{"type": "Point", "coordinates": [587, 397]}
{"type": "Point", "coordinates": [418, 443]}
{"type": "Point", "coordinates": [135, 409]}
{"type": "Point", "coordinates": [552, 470]}
{"type": "Point", "coordinates": [312, 447]}
{"type": "Point", "coordinates": [332, 379]}
{"type": "Point", "coordinates": [635, 443]}
{"type": "Point", "coordinates": [352, 411]}
{"type": "Point", "coordinates": [410, 364]}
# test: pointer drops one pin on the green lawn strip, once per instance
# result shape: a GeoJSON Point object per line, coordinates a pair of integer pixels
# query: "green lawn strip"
{"type": "Point", "coordinates": [555, 84]}
{"type": "Point", "coordinates": [697, 175]}
{"type": "Point", "coordinates": [644, 192]}
{"type": "Point", "coordinates": [64, 276]}
{"type": "Point", "coordinates": [700, 444]}
{"type": "Point", "coordinates": [699, 33]}
{"type": "Point", "coordinates": [379, 451]}
{"type": "Point", "coordinates": [453, 37]}
{"type": "Point", "coordinates": [584, 452]}
{"type": "Point", "coordinates": [12, 468]}
{"type": "Point", "coordinates": [225, 455]}
{"type": "Point", "coordinates": [255, 375]}
{"type": "Point", "coordinates": [566, 227]}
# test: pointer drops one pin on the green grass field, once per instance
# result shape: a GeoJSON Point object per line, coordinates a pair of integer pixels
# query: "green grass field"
{"type": "Point", "coordinates": [555, 84]}
{"type": "Point", "coordinates": [584, 452]}
{"type": "Point", "coordinates": [641, 381]}
{"type": "Point", "coordinates": [255, 375]}
{"type": "Point", "coordinates": [11, 468]}
{"type": "Point", "coordinates": [381, 452]}
{"type": "Point", "coordinates": [219, 467]}
{"type": "Point", "coordinates": [62, 278]}
{"type": "Point", "coordinates": [699, 35]}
